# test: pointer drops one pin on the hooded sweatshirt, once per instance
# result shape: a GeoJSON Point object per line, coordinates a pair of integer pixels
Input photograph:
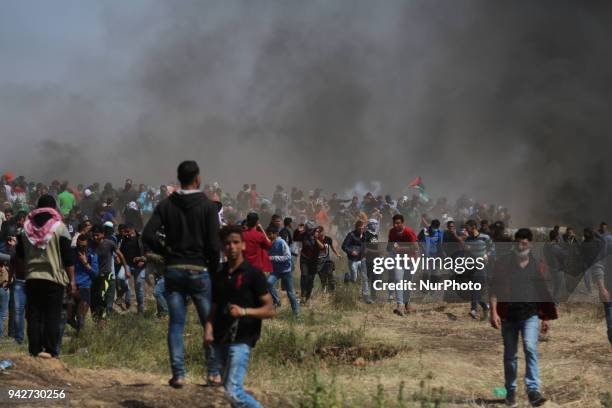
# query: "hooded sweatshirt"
{"type": "Point", "coordinates": [191, 226]}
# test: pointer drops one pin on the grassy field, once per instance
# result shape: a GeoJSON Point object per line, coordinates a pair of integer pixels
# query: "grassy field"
{"type": "Point", "coordinates": [346, 354]}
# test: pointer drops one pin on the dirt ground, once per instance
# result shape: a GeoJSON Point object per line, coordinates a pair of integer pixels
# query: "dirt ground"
{"type": "Point", "coordinates": [438, 347]}
{"type": "Point", "coordinates": [442, 348]}
{"type": "Point", "coordinates": [101, 388]}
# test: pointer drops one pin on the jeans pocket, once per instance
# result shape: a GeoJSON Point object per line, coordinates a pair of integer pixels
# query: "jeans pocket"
{"type": "Point", "coordinates": [173, 280]}
{"type": "Point", "coordinates": [200, 283]}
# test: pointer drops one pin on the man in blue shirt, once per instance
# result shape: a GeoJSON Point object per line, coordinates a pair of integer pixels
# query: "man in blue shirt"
{"type": "Point", "coordinates": [432, 240]}
{"type": "Point", "coordinates": [86, 269]}
{"type": "Point", "coordinates": [280, 256]}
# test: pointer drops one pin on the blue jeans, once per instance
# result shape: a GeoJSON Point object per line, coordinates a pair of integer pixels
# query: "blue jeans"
{"type": "Point", "coordinates": [358, 268]}
{"type": "Point", "coordinates": [123, 289]}
{"type": "Point", "coordinates": [17, 311]}
{"type": "Point", "coordinates": [4, 307]}
{"type": "Point", "coordinates": [139, 281]}
{"type": "Point", "coordinates": [399, 275]}
{"type": "Point", "coordinates": [608, 310]}
{"type": "Point", "coordinates": [179, 284]}
{"type": "Point", "coordinates": [479, 276]}
{"type": "Point", "coordinates": [158, 292]}
{"type": "Point", "coordinates": [529, 330]}
{"type": "Point", "coordinates": [287, 279]}
{"type": "Point", "coordinates": [232, 361]}
{"type": "Point", "coordinates": [354, 270]}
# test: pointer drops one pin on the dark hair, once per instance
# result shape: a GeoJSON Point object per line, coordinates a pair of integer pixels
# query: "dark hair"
{"type": "Point", "coordinates": [251, 219]}
{"type": "Point", "coordinates": [276, 217]}
{"type": "Point", "coordinates": [553, 234]}
{"type": "Point", "coordinates": [97, 229]}
{"type": "Point", "coordinates": [448, 223]}
{"type": "Point", "coordinates": [272, 229]}
{"type": "Point", "coordinates": [187, 172]}
{"type": "Point", "coordinates": [287, 221]}
{"type": "Point", "coordinates": [435, 223]}
{"type": "Point", "coordinates": [82, 237]}
{"type": "Point", "coordinates": [398, 217]}
{"type": "Point", "coordinates": [229, 230]}
{"type": "Point", "coordinates": [46, 201]}
{"type": "Point", "coordinates": [523, 233]}
{"type": "Point", "coordinates": [499, 226]}
{"type": "Point", "coordinates": [471, 223]}
{"type": "Point", "coordinates": [9, 211]}
{"type": "Point", "coordinates": [20, 215]}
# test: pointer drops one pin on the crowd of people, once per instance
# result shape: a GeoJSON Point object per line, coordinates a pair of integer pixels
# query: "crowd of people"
{"type": "Point", "coordinates": [69, 251]}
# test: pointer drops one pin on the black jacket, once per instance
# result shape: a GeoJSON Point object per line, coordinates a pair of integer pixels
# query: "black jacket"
{"type": "Point", "coordinates": [353, 242]}
{"type": "Point", "coordinates": [191, 228]}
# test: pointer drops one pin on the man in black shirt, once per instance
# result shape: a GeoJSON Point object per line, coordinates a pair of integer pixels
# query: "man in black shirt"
{"type": "Point", "coordinates": [240, 301]}
{"type": "Point", "coordinates": [132, 248]}
{"type": "Point", "coordinates": [308, 259]}
{"type": "Point", "coordinates": [325, 265]}
{"type": "Point", "coordinates": [103, 285]}
{"type": "Point", "coordinates": [286, 232]}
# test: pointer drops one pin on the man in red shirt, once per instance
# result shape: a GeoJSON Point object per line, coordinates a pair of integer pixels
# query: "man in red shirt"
{"type": "Point", "coordinates": [402, 240]}
{"type": "Point", "coordinates": [257, 244]}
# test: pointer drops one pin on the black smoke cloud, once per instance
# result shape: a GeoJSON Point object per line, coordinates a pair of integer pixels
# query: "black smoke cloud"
{"type": "Point", "coordinates": [506, 101]}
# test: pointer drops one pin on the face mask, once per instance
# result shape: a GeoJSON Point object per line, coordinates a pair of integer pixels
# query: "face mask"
{"type": "Point", "coordinates": [524, 253]}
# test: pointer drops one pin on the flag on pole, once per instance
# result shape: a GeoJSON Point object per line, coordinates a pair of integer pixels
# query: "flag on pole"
{"type": "Point", "coordinates": [418, 184]}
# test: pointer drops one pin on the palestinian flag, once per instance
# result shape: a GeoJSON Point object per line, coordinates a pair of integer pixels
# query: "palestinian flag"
{"type": "Point", "coordinates": [418, 184]}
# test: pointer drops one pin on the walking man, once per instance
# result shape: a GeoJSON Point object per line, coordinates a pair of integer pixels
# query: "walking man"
{"type": "Point", "coordinates": [519, 301]}
{"type": "Point", "coordinates": [191, 250]}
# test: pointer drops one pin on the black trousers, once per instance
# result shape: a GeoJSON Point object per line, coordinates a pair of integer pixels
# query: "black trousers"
{"type": "Point", "coordinates": [97, 300]}
{"type": "Point", "coordinates": [325, 269]}
{"type": "Point", "coordinates": [43, 312]}
{"type": "Point", "coordinates": [308, 271]}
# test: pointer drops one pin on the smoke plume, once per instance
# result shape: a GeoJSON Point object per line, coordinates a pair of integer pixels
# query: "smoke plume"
{"type": "Point", "coordinates": [506, 101]}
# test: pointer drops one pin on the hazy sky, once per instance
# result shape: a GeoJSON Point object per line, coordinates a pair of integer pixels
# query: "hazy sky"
{"type": "Point", "coordinates": [507, 101]}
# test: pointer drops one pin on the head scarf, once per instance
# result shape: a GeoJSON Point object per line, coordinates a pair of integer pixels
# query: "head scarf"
{"type": "Point", "coordinates": [39, 236]}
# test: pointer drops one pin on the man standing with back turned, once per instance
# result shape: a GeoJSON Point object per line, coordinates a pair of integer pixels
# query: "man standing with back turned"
{"type": "Point", "coordinates": [191, 251]}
